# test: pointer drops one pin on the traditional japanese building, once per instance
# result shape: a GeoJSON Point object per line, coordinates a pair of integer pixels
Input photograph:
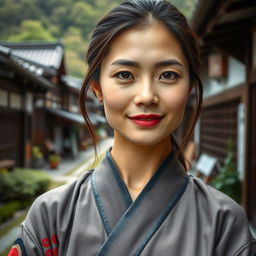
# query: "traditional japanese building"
{"type": "Point", "coordinates": [227, 35]}
{"type": "Point", "coordinates": [39, 103]}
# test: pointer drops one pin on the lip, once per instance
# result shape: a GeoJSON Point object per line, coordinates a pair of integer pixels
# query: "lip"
{"type": "Point", "coordinates": [144, 120]}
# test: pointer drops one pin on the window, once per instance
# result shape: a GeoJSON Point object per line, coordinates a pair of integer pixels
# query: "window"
{"type": "Point", "coordinates": [16, 101]}
{"type": "Point", "coordinates": [218, 124]}
{"type": "Point", "coordinates": [3, 98]}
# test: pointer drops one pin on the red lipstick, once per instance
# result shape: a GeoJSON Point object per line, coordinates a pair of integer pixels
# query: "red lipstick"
{"type": "Point", "coordinates": [146, 120]}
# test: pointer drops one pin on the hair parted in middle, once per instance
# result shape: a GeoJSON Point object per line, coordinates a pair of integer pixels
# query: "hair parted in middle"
{"type": "Point", "coordinates": [135, 14]}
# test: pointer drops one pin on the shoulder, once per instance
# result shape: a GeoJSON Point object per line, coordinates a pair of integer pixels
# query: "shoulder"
{"type": "Point", "coordinates": [231, 227]}
{"type": "Point", "coordinates": [226, 213]}
{"type": "Point", "coordinates": [64, 193]}
{"type": "Point", "coordinates": [52, 212]}
{"type": "Point", "coordinates": [215, 198]}
{"type": "Point", "coordinates": [58, 200]}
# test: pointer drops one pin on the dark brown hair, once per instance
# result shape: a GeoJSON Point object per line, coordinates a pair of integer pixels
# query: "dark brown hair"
{"type": "Point", "coordinates": [131, 14]}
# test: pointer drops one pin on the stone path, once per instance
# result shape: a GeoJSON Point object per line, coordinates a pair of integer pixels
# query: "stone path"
{"type": "Point", "coordinates": [60, 175]}
{"type": "Point", "coordinates": [8, 239]}
{"type": "Point", "coordinates": [87, 157]}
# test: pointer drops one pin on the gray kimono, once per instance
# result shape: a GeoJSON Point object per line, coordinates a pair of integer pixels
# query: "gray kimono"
{"type": "Point", "coordinates": [174, 215]}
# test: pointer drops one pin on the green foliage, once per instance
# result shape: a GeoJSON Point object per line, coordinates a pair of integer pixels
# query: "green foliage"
{"type": "Point", "coordinates": [84, 16]}
{"type": "Point", "coordinates": [228, 180]}
{"type": "Point", "coordinates": [38, 20]}
{"type": "Point", "coordinates": [23, 184]}
{"type": "Point", "coordinates": [75, 47]}
{"type": "Point", "coordinates": [75, 66]}
{"type": "Point", "coordinates": [32, 30]}
{"type": "Point", "coordinates": [53, 158]}
{"type": "Point", "coordinates": [13, 13]}
{"type": "Point", "coordinates": [185, 6]}
{"type": "Point", "coordinates": [36, 152]}
{"type": "Point", "coordinates": [8, 209]}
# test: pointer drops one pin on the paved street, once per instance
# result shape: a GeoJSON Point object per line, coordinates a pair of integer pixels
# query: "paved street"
{"type": "Point", "coordinates": [87, 157]}
{"type": "Point", "coordinates": [84, 162]}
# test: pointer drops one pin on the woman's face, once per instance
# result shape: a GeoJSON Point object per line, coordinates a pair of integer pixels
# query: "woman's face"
{"type": "Point", "coordinates": [144, 84]}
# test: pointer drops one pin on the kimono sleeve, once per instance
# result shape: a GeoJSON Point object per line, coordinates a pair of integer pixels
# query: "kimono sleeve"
{"type": "Point", "coordinates": [25, 245]}
{"type": "Point", "coordinates": [234, 236]}
{"type": "Point", "coordinates": [36, 236]}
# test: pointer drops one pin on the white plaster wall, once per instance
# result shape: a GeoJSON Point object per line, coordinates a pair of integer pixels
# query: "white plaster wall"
{"type": "Point", "coordinates": [241, 140]}
{"type": "Point", "coordinates": [236, 75]}
{"type": "Point", "coordinates": [29, 102]}
{"type": "Point", "coordinates": [58, 139]}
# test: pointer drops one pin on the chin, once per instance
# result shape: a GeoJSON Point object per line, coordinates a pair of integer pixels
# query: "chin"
{"type": "Point", "coordinates": [147, 141]}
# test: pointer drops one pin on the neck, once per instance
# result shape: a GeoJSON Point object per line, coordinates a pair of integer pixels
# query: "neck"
{"type": "Point", "coordinates": [138, 163]}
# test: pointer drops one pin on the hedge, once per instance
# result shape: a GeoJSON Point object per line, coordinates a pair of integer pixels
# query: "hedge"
{"type": "Point", "coordinates": [18, 188]}
{"type": "Point", "coordinates": [8, 209]}
{"type": "Point", "coordinates": [23, 184]}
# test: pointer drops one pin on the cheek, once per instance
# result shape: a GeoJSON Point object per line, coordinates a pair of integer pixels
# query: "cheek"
{"type": "Point", "coordinates": [114, 100]}
{"type": "Point", "coordinates": [115, 104]}
{"type": "Point", "coordinates": [176, 100]}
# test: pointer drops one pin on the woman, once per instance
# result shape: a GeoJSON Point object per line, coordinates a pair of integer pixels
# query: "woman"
{"type": "Point", "coordinates": [143, 65]}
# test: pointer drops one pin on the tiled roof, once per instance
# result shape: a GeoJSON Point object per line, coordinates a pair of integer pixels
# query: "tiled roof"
{"type": "Point", "coordinates": [48, 55]}
{"type": "Point", "coordinates": [77, 118]}
{"type": "Point", "coordinates": [210, 13]}
{"type": "Point", "coordinates": [72, 82]}
{"type": "Point", "coordinates": [76, 84]}
{"type": "Point", "coordinates": [32, 72]}
{"type": "Point", "coordinates": [39, 61]}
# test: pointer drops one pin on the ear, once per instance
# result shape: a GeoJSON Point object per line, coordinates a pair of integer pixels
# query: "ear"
{"type": "Point", "coordinates": [97, 90]}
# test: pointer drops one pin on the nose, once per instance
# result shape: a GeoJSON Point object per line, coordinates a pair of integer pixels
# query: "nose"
{"type": "Point", "coordinates": [146, 94]}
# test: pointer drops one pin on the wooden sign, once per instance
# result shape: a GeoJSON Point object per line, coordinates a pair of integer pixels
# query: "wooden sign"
{"type": "Point", "coordinates": [28, 152]}
{"type": "Point", "coordinates": [217, 66]}
{"type": "Point", "coordinates": [206, 164]}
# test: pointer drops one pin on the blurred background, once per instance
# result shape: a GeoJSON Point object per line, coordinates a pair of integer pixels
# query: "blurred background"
{"type": "Point", "coordinates": [43, 140]}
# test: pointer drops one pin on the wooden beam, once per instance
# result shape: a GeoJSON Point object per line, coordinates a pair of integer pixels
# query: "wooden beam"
{"type": "Point", "coordinates": [227, 32]}
{"type": "Point", "coordinates": [224, 96]}
{"type": "Point", "coordinates": [252, 76]}
{"type": "Point", "coordinates": [216, 16]}
{"type": "Point", "coordinates": [240, 5]}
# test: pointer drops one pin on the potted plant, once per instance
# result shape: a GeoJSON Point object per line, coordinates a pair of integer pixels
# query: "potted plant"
{"type": "Point", "coordinates": [228, 180]}
{"type": "Point", "coordinates": [37, 157]}
{"type": "Point", "coordinates": [54, 160]}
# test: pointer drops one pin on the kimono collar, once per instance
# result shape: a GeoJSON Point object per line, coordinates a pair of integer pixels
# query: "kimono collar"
{"type": "Point", "coordinates": [112, 196]}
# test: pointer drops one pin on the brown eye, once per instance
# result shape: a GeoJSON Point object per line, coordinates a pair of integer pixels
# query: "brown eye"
{"type": "Point", "coordinates": [169, 75]}
{"type": "Point", "coordinates": [124, 75]}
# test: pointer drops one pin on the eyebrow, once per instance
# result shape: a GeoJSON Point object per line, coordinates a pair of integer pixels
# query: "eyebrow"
{"type": "Point", "coordinates": [169, 62]}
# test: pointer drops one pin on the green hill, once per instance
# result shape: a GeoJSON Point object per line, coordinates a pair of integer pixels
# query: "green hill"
{"type": "Point", "coordinates": [68, 21]}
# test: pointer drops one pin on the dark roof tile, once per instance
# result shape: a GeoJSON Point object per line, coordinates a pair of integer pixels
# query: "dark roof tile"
{"type": "Point", "coordinates": [48, 55]}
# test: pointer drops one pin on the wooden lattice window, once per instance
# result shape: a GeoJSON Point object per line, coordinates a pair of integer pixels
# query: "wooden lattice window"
{"type": "Point", "coordinates": [218, 124]}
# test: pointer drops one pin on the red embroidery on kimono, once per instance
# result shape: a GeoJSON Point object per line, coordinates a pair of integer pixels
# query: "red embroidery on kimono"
{"type": "Point", "coordinates": [46, 242]}
{"type": "Point", "coordinates": [50, 245]}
{"type": "Point", "coordinates": [55, 251]}
{"type": "Point", "coordinates": [18, 248]}
{"type": "Point", "coordinates": [14, 252]}
{"type": "Point", "coordinates": [55, 239]}
{"type": "Point", "coordinates": [49, 252]}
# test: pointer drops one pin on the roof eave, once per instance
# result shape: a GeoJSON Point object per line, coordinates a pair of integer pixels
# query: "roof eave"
{"type": "Point", "coordinates": [42, 82]}
{"type": "Point", "coordinates": [204, 11]}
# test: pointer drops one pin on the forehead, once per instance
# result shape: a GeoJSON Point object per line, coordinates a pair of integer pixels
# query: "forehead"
{"type": "Point", "coordinates": [148, 43]}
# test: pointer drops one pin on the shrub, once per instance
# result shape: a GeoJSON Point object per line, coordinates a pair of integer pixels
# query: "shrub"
{"type": "Point", "coordinates": [53, 158]}
{"type": "Point", "coordinates": [228, 180]}
{"type": "Point", "coordinates": [8, 209]}
{"type": "Point", "coordinates": [23, 184]}
{"type": "Point", "coordinates": [36, 152]}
